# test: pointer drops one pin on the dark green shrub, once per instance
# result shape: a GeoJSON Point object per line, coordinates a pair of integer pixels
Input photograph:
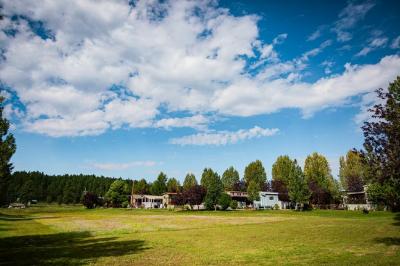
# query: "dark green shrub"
{"type": "Point", "coordinates": [233, 205]}
{"type": "Point", "coordinates": [224, 201]}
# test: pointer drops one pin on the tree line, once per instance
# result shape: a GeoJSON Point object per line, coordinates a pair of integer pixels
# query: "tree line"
{"type": "Point", "coordinates": [377, 165]}
{"type": "Point", "coordinates": [67, 189]}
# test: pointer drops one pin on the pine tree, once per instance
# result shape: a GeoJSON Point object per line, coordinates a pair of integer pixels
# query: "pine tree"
{"type": "Point", "coordinates": [7, 149]}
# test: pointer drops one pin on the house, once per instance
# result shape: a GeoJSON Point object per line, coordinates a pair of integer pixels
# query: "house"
{"type": "Point", "coordinates": [146, 201]}
{"type": "Point", "coordinates": [170, 199]}
{"type": "Point", "coordinates": [17, 205]}
{"type": "Point", "coordinates": [356, 200]}
{"type": "Point", "coordinates": [268, 200]}
{"type": "Point", "coordinates": [241, 198]}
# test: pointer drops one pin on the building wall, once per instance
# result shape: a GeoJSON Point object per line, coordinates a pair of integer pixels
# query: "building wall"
{"type": "Point", "coordinates": [267, 200]}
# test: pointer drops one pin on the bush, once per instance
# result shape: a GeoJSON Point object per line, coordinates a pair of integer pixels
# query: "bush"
{"type": "Point", "coordinates": [365, 211]}
{"type": "Point", "coordinates": [208, 203]}
{"type": "Point", "coordinates": [276, 207]}
{"type": "Point", "coordinates": [224, 201]}
{"type": "Point", "coordinates": [89, 200]}
{"type": "Point", "coordinates": [125, 204]}
{"type": "Point", "coordinates": [234, 205]}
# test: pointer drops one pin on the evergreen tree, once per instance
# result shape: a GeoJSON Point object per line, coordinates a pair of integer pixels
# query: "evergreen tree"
{"type": "Point", "coordinates": [26, 193]}
{"type": "Point", "coordinates": [7, 149]}
{"type": "Point", "coordinates": [160, 185]}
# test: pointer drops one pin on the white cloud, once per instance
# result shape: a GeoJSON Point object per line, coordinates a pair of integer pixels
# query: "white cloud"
{"type": "Point", "coordinates": [349, 17]}
{"type": "Point", "coordinates": [252, 96]}
{"type": "Point", "coordinates": [395, 43]}
{"type": "Point", "coordinates": [122, 166]}
{"type": "Point", "coordinates": [373, 44]}
{"type": "Point", "coordinates": [108, 65]}
{"type": "Point", "coordinates": [224, 137]}
{"type": "Point", "coordinates": [197, 121]}
{"type": "Point", "coordinates": [328, 65]}
{"type": "Point", "coordinates": [317, 33]}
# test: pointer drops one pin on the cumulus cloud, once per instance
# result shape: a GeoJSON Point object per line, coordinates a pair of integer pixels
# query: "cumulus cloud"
{"type": "Point", "coordinates": [224, 137]}
{"type": "Point", "coordinates": [122, 166]}
{"type": "Point", "coordinates": [252, 96]}
{"type": "Point", "coordinates": [91, 66]}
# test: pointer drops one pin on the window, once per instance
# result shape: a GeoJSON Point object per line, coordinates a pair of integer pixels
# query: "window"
{"type": "Point", "coordinates": [271, 198]}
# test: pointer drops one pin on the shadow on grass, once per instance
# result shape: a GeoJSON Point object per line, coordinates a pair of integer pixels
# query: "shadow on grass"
{"type": "Point", "coordinates": [397, 219]}
{"type": "Point", "coordinates": [8, 217]}
{"type": "Point", "coordinates": [388, 241]}
{"type": "Point", "coordinates": [74, 248]}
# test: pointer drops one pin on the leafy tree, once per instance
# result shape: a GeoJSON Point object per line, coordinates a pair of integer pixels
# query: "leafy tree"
{"type": "Point", "coordinates": [381, 154]}
{"type": "Point", "coordinates": [194, 195]}
{"type": "Point", "coordinates": [240, 186]}
{"type": "Point", "coordinates": [190, 181]}
{"type": "Point", "coordinates": [117, 193]}
{"type": "Point", "coordinates": [230, 178]}
{"type": "Point", "coordinates": [351, 171]}
{"type": "Point", "coordinates": [211, 181]}
{"type": "Point", "coordinates": [224, 201]}
{"type": "Point", "coordinates": [280, 187]}
{"type": "Point", "coordinates": [297, 186]}
{"type": "Point", "coordinates": [140, 187]}
{"type": "Point", "coordinates": [207, 177]}
{"type": "Point", "coordinates": [7, 149]}
{"type": "Point", "coordinates": [282, 169]}
{"type": "Point", "coordinates": [255, 172]}
{"type": "Point", "coordinates": [160, 185]}
{"type": "Point", "coordinates": [253, 191]}
{"type": "Point", "coordinates": [173, 185]}
{"type": "Point", "coordinates": [89, 200]}
{"type": "Point", "coordinates": [324, 189]}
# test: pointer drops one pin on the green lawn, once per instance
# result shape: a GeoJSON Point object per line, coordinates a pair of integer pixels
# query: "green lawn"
{"type": "Point", "coordinates": [74, 235]}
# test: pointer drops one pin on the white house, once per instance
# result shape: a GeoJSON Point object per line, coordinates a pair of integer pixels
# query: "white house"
{"type": "Point", "coordinates": [268, 200]}
{"type": "Point", "coordinates": [146, 201]}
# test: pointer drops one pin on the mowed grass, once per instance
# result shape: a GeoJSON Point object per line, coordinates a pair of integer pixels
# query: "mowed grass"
{"type": "Point", "coordinates": [76, 236]}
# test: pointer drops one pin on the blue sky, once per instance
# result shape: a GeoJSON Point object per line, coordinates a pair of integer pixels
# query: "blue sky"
{"type": "Point", "coordinates": [127, 89]}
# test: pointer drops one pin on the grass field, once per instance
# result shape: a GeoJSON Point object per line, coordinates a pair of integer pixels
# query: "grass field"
{"type": "Point", "coordinates": [76, 236]}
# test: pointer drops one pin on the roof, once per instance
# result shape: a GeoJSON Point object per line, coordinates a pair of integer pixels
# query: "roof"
{"type": "Point", "coordinates": [356, 192]}
{"type": "Point", "coordinates": [136, 196]}
{"type": "Point", "coordinates": [170, 193]}
{"type": "Point", "coordinates": [269, 193]}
